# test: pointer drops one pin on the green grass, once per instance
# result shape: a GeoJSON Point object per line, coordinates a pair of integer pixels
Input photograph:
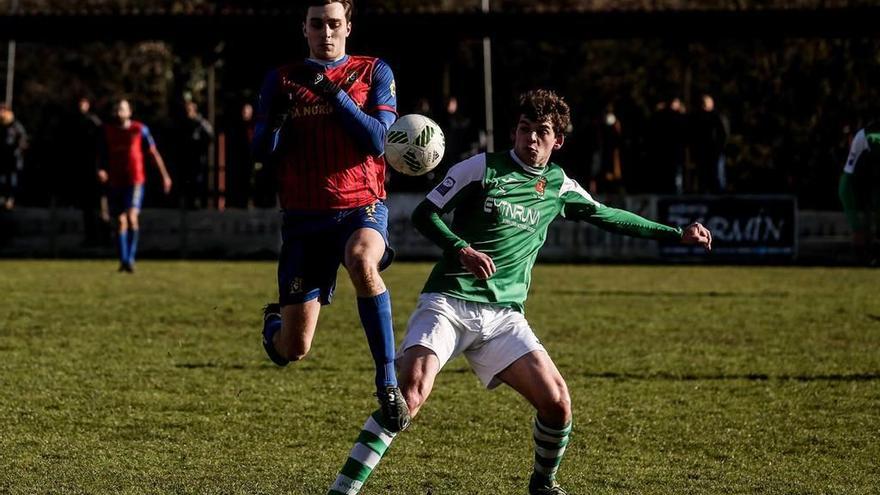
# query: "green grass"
{"type": "Point", "coordinates": [684, 380]}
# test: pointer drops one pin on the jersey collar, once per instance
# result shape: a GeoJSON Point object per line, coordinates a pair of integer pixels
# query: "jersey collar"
{"type": "Point", "coordinates": [527, 168]}
{"type": "Point", "coordinates": [328, 64]}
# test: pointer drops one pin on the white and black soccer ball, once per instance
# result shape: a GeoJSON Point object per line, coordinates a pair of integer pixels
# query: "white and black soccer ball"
{"type": "Point", "coordinates": [414, 145]}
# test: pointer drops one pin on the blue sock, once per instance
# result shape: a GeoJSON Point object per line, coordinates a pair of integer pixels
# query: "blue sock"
{"type": "Point", "coordinates": [133, 236]}
{"type": "Point", "coordinates": [122, 239]}
{"type": "Point", "coordinates": [375, 315]}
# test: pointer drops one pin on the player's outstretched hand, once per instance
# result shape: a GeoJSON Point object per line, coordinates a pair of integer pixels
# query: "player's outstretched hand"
{"type": "Point", "coordinates": [480, 264]}
{"type": "Point", "coordinates": [166, 184]}
{"type": "Point", "coordinates": [695, 233]}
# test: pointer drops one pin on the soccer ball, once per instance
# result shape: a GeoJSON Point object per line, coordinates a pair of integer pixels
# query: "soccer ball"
{"type": "Point", "coordinates": [414, 145]}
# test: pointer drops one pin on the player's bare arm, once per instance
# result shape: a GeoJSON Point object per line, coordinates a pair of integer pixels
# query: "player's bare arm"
{"type": "Point", "coordinates": [160, 164]}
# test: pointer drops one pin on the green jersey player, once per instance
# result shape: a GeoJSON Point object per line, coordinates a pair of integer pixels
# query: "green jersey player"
{"type": "Point", "coordinates": [472, 303]}
{"type": "Point", "coordinates": [859, 191]}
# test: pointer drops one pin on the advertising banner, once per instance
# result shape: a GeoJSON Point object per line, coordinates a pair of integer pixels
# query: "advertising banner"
{"type": "Point", "coordinates": [745, 228]}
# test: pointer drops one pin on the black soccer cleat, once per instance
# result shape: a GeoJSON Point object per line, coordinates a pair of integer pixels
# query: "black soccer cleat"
{"type": "Point", "coordinates": [537, 487]}
{"type": "Point", "coordinates": [272, 311]}
{"type": "Point", "coordinates": [395, 413]}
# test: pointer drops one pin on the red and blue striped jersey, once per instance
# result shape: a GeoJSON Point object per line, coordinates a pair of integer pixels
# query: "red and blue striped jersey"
{"type": "Point", "coordinates": [122, 152]}
{"type": "Point", "coordinates": [322, 159]}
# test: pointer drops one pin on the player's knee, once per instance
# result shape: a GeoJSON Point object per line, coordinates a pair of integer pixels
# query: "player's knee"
{"type": "Point", "coordinates": [123, 222]}
{"type": "Point", "coordinates": [292, 351]}
{"type": "Point", "coordinates": [364, 272]}
{"type": "Point", "coordinates": [556, 409]}
{"type": "Point", "coordinates": [133, 221]}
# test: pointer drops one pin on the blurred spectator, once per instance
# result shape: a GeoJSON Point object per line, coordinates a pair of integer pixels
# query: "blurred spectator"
{"type": "Point", "coordinates": [423, 107]}
{"type": "Point", "coordinates": [462, 139]}
{"type": "Point", "coordinates": [667, 143]}
{"type": "Point", "coordinates": [859, 191]}
{"type": "Point", "coordinates": [610, 177]}
{"type": "Point", "coordinates": [82, 131]}
{"type": "Point", "coordinates": [13, 142]}
{"type": "Point", "coordinates": [195, 137]}
{"type": "Point", "coordinates": [239, 161]}
{"type": "Point", "coordinates": [708, 137]}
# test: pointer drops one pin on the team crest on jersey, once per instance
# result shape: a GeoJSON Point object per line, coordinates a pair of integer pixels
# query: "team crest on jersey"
{"type": "Point", "coordinates": [445, 186]}
{"type": "Point", "coordinates": [540, 186]}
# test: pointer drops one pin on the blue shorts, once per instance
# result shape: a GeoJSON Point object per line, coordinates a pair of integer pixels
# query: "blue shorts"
{"type": "Point", "coordinates": [124, 198]}
{"type": "Point", "coordinates": [313, 247]}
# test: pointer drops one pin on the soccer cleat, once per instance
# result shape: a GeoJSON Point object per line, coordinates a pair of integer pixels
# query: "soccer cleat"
{"type": "Point", "coordinates": [395, 413]}
{"type": "Point", "coordinates": [538, 487]}
{"type": "Point", "coordinates": [272, 311]}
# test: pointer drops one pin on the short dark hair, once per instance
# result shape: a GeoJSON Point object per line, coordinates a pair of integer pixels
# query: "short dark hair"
{"type": "Point", "coordinates": [348, 4]}
{"type": "Point", "coordinates": [544, 104]}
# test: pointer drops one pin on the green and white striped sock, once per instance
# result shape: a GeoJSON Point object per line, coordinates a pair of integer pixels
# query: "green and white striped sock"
{"type": "Point", "coordinates": [368, 450]}
{"type": "Point", "coordinates": [549, 447]}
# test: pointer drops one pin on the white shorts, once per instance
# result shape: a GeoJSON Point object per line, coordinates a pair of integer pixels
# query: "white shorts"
{"type": "Point", "coordinates": [490, 337]}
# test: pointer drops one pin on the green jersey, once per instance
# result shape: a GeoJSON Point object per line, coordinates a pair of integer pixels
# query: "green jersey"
{"type": "Point", "coordinates": [859, 186]}
{"type": "Point", "coordinates": [503, 208]}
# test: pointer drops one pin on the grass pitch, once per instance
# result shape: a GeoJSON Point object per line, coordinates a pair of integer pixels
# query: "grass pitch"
{"type": "Point", "coordinates": [684, 380]}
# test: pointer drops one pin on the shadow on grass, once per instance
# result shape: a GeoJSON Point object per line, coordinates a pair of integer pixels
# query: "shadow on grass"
{"type": "Point", "coordinates": [219, 366]}
{"type": "Point", "coordinates": [874, 317]}
{"type": "Point", "coordinates": [267, 365]}
{"type": "Point", "coordinates": [757, 377]}
{"type": "Point", "coordinates": [651, 293]}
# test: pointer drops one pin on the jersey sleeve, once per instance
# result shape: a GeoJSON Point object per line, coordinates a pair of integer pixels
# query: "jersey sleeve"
{"type": "Point", "coordinates": [579, 205]}
{"type": "Point", "coordinates": [859, 145]}
{"type": "Point", "coordinates": [427, 220]}
{"type": "Point", "coordinates": [463, 174]}
{"type": "Point", "coordinates": [576, 202]}
{"type": "Point", "coordinates": [369, 125]}
{"type": "Point", "coordinates": [147, 136]}
{"type": "Point", "coordinates": [265, 137]}
{"type": "Point", "coordinates": [461, 178]}
{"type": "Point", "coordinates": [383, 91]}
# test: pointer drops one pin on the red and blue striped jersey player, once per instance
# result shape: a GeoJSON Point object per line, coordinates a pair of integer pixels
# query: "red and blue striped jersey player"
{"type": "Point", "coordinates": [121, 153]}
{"type": "Point", "coordinates": [321, 123]}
